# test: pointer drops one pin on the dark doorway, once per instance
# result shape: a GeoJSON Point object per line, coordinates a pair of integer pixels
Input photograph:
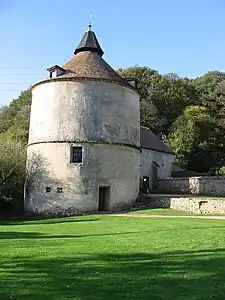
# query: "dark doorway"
{"type": "Point", "coordinates": [146, 184]}
{"type": "Point", "coordinates": [103, 200]}
{"type": "Point", "coordinates": [155, 167]}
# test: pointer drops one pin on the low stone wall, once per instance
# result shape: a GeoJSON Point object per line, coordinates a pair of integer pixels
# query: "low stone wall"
{"type": "Point", "coordinates": [192, 205]}
{"type": "Point", "coordinates": [173, 185]}
{"type": "Point", "coordinates": [210, 186]}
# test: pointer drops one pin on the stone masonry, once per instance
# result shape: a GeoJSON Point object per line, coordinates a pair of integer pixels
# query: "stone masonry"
{"type": "Point", "coordinates": [209, 186]}
{"type": "Point", "coordinates": [192, 204]}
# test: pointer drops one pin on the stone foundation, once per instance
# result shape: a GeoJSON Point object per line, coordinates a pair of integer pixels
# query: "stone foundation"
{"type": "Point", "coordinates": [54, 213]}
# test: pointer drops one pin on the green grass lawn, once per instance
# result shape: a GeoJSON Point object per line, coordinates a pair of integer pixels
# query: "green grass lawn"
{"type": "Point", "coordinates": [169, 212]}
{"type": "Point", "coordinates": [106, 257]}
{"type": "Point", "coordinates": [161, 211]}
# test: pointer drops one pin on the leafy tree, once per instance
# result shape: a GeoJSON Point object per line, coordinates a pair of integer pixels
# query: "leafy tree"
{"type": "Point", "coordinates": [163, 97]}
{"type": "Point", "coordinates": [216, 103]}
{"type": "Point", "coordinates": [6, 118]}
{"type": "Point", "coordinates": [14, 119]}
{"type": "Point", "coordinates": [206, 84]}
{"type": "Point", "coordinates": [142, 76]}
{"type": "Point", "coordinates": [196, 140]}
{"type": "Point", "coordinates": [170, 95]}
{"type": "Point", "coordinates": [14, 124]}
{"type": "Point", "coordinates": [12, 169]}
{"type": "Point", "coordinates": [23, 100]}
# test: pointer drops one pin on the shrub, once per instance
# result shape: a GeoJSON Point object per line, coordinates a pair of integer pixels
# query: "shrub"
{"type": "Point", "coordinates": [12, 169]}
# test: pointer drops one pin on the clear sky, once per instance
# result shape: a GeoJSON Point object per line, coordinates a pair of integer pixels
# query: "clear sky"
{"type": "Point", "coordinates": [180, 36]}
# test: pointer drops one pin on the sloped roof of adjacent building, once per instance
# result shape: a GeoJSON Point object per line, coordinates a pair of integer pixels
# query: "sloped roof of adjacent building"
{"type": "Point", "coordinates": [151, 141]}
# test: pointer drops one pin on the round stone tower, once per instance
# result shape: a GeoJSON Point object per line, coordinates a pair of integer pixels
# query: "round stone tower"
{"type": "Point", "coordinates": [83, 152]}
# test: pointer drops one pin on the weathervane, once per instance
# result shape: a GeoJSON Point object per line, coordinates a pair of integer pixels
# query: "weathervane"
{"type": "Point", "coordinates": [89, 26]}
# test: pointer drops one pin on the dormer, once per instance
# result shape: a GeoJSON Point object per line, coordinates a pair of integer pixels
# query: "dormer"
{"type": "Point", "coordinates": [56, 71]}
{"type": "Point", "coordinates": [132, 82]}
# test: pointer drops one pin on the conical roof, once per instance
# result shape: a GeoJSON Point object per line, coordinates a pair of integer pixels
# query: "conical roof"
{"type": "Point", "coordinates": [87, 62]}
{"type": "Point", "coordinates": [89, 42]}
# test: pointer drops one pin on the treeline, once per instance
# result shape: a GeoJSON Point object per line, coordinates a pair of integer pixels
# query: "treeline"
{"type": "Point", "coordinates": [14, 125]}
{"type": "Point", "coordinates": [188, 114]}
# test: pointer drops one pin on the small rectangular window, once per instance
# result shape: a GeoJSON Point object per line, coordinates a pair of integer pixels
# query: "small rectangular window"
{"type": "Point", "coordinates": [54, 74]}
{"type": "Point", "coordinates": [48, 189]}
{"type": "Point", "coordinates": [59, 190]}
{"type": "Point", "coordinates": [76, 155]}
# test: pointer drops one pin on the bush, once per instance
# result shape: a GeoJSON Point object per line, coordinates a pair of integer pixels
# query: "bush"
{"type": "Point", "coordinates": [12, 169]}
{"type": "Point", "coordinates": [221, 171]}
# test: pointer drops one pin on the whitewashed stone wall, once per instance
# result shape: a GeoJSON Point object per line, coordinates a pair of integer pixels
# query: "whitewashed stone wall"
{"type": "Point", "coordinates": [84, 111]}
{"type": "Point", "coordinates": [103, 165]}
{"type": "Point", "coordinates": [164, 160]}
{"type": "Point", "coordinates": [211, 186]}
{"type": "Point", "coordinates": [101, 117]}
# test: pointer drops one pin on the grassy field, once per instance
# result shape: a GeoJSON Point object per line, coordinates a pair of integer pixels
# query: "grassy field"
{"type": "Point", "coordinates": [106, 257]}
{"type": "Point", "coordinates": [169, 212]}
{"type": "Point", "coordinates": [161, 211]}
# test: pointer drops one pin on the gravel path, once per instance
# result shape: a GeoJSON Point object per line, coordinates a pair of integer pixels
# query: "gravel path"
{"type": "Point", "coordinates": [168, 217]}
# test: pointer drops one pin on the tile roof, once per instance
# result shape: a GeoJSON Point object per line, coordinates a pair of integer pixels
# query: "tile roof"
{"type": "Point", "coordinates": [151, 141]}
{"type": "Point", "coordinates": [89, 42]}
{"type": "Point", "coordinates": [89, 64]}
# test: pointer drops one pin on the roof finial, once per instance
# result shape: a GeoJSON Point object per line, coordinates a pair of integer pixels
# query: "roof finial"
{"type": "Point", "coordinates": [89, 25]}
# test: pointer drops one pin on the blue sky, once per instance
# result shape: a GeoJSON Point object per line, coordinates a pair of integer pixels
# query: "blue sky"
{"type": "Point", "coordinates": [180, 36]}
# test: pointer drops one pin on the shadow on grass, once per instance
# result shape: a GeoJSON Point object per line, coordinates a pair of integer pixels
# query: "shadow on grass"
{"type": "Point", "coordinates": [39, 221]}
{"type": "Point", "coordinates": [192, 275]}
{"type": "Point", "coordinates": [36, 235]}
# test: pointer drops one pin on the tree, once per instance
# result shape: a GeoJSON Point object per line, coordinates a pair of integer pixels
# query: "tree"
{"type": "Point", "coordinates": [196, 140]}
{"type": "Point", "coordinates": [23, 99]}
{"type": "Point", "coordinates": [170, 95]}
{"type": "Point", "coordinates": [15, 118]}
{"type": "Point", "coordinates": [163, 97]}
{"type": "Point", "coordinates": [12, 169]}
{"type": "Point", "coordinates": [206, 85]}
{"type": "Point", "coordinates": [216, 103]}
{"type": "Point", "coordinates": [141, 75]}
{"type": "Point", "coordinates": [14, 126]}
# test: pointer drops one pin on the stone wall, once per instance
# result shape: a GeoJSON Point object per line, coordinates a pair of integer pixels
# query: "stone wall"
{"type": "Point", "coordinates": [210, 186]}
{"type": "Point", "coordinates": [193, 205]}
{"type": "Point", "coordinates": [173, 185]}
{"type": "Point", "coordinates": [103, 165]}
{"type": "Point", "coordinates": [84, 111]}
{"type": "Point", "coordinates": [164, 160]}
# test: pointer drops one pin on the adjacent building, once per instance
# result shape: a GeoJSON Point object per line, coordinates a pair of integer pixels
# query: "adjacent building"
{"type": "Point", "coordinates": [156, 158]}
